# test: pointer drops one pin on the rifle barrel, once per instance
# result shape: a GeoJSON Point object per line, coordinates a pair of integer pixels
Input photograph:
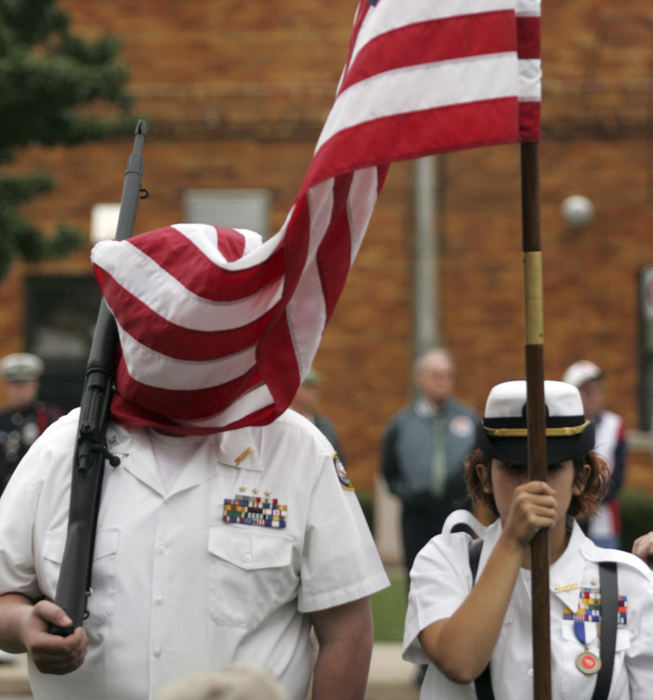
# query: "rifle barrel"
{"type": "Point", "coordinates": [74, 584]}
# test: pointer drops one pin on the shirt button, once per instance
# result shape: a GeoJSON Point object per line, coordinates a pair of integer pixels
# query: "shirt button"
{"type": "Point", "coordinates": [159, 600]}
{"type": "Point", "coordinates": [161, 549]}
{"type": "Point", "coordinates": [157, 652]}
{"type": "Point", "coordinates": [530, 672]}
{"type": "Point", "coordinates": [247, 556]}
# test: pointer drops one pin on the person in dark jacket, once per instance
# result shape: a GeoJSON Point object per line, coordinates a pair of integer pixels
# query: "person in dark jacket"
{"type": "Point", "coordinates": [26, 416]}
{"type": "Point", "coordinates": [424, 448]}
{"type": "Point", "coordinates": [305, 402]}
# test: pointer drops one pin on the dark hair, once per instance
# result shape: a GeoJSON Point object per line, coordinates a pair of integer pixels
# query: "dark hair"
{"type": "Point", "coordinates": [582, 506]}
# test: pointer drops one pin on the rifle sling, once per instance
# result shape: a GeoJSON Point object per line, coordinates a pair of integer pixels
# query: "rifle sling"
{"type": "Point", "coordinates": [483, 682]}
{"type": "Point", "coordinates": [609, 600]}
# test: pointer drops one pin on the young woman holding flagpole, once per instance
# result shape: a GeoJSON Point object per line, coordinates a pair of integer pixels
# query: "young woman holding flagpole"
{"type": "Point", "coordinates": [470, 598]}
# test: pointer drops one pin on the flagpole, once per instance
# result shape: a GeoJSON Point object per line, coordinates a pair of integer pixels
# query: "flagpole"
{"type": "Point", "coordinates": [536, 411]}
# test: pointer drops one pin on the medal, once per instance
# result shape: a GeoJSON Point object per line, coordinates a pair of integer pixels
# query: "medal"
{"type": "Point", "coordinates": [588, 663]}
{"type": "Point", "coordinates": [589, 612]}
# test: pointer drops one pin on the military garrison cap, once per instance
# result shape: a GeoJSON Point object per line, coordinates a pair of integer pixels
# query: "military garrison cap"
{"type": "Point", "coordinates": [21, 367]}
{"type": "Point", "coordinates": [503, 433]}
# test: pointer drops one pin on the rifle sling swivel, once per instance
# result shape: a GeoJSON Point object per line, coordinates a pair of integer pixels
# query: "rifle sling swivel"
{"type": "Point", "coordinates": [113, 459]}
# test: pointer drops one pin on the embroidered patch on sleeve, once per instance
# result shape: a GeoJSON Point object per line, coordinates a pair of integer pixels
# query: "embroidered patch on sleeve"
{"type": "Point", "coordinates": [342, 474]}
{"type": "Point", "coordinates": [253, 510]}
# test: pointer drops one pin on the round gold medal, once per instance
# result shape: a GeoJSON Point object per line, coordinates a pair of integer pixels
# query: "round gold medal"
{"type": "Point", "coordinates": [588, 663]}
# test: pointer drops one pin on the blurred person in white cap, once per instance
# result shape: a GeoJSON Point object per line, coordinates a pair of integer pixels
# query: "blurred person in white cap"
{"type": "Point", "coordinates": [469, 613]}
{"type": "Point", "coordinates": [604, 528]}
{"type": "Point", "coordinates": [25, 416]}
{"type": "Point", "coordinates": [305, 402]}
{"type": "Point", "coordinates": [238, 682]}
{"type": "Point", "coordinates": [215, 545]}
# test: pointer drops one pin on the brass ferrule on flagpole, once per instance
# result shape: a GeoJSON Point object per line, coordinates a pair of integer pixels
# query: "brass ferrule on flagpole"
{"type": "Point", "coordinates": [533, 298]}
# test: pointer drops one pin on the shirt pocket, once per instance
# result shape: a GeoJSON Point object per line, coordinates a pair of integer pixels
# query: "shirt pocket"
{"type": "Point", "coordinates": [250, 575]}
{"type": "Point", "coordinates": [103, 579]}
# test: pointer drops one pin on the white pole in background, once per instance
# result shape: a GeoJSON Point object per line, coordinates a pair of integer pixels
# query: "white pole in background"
{"type": "Point", "coordinates": [427, 332]}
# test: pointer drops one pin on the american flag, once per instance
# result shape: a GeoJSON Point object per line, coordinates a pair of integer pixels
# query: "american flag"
{"type": "Point", "coordinates": [218, 328]}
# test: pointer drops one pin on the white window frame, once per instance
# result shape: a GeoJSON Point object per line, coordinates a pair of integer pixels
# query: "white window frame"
{"type": "Point", "coordinates": [231, 208]}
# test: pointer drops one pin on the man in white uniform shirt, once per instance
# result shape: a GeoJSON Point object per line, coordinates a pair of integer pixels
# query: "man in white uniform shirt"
{"type": "Point", "coordinates": [210, 550]}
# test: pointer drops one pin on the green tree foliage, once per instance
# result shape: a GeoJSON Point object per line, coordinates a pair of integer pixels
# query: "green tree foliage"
{"type": "Point", "coordinates": [53, 86]}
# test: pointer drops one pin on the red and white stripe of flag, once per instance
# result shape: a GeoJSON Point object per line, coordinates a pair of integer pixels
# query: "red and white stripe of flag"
{"type": "Point", "coordinates": [528, 13]}
{"type": "Point", "coordinates": [217, 331]}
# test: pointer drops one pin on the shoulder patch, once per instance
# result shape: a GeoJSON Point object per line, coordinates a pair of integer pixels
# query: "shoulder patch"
{"type": "Point", "coordinates": [341, 473]}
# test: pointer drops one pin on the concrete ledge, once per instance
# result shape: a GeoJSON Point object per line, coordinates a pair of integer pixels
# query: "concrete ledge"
{"type": "Point", "coordinates": [13, 677]}
{"type": "Point", "coordinates": [392, 691]}
{"type": "Point", "coordinates": [391, 678]}
{"type": "Point", "coordinates": [387, 665]}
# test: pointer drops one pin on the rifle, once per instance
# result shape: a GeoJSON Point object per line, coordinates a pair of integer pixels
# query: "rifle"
{"type": "Point", "coordinates": [74, 585]}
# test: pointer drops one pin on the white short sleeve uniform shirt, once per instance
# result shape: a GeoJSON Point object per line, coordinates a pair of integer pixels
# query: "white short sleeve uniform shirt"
{"type": "Point", "coordinates": [441, 579]}
{"type": "Point", "coordinates": [260, 527]}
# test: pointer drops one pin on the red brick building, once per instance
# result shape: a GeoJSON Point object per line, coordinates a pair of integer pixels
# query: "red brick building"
{"type": "Point", "coordinates": [235, 94]}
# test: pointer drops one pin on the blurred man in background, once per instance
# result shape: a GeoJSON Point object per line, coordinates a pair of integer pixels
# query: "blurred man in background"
{"type": "Point", "coordinates": [305, 402]}
{"type": "Point", "coordinates": [423, 451]}
{"type": "Point", "coordinates": [605, 527]}
{"type": "Point", "coordinates": [26, 416]}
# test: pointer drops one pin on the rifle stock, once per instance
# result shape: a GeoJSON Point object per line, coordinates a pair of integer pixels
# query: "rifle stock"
{"type": "Point", "coordinates": [74, 585]}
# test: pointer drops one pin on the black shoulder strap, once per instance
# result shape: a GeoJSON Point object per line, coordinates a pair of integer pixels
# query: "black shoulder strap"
{"type": "Point", "coordinates": [483, 683]}
{"type": "Point", "coordinates": [464, 527]}
{"type": "Point", "coordinates": [475, 547]}
{"type": "Point", "coordinates": [609, 599]}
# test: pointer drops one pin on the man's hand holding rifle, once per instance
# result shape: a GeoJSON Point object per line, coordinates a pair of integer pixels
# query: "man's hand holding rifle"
{"type": "Point", "coordinates": [31, 624]}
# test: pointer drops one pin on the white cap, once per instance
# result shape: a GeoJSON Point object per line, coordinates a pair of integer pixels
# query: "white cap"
{"type": "Point", "coordinates": [21, 367]}
{"type": "Point", "coordinates": [508, 400]}
{"type": "Point", "coordinates": [582, 372]}
{"type": "Point", "coordinates": [504, 430]}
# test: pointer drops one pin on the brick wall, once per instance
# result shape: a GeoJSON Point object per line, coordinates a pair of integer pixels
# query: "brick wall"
{"type": "Point", "coordinates": [235, 94]}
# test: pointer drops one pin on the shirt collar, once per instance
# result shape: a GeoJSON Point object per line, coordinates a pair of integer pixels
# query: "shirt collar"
{"type": "Point", "coordinates": [566, 573]}
{"type": "Point", "coordinates": [426, 410]}
{"type": "Point", "coordinates": [239, 449]}
{"type": "Point", "coordinates": [235, 448]}
{"type": "Point", "coordinates": [598, 418]}
{"type": "Point", "coordinates": [565, 570]}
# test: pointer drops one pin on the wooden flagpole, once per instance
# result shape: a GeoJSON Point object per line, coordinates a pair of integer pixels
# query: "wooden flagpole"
{"type": "Point", "coordinates": [536, 411]}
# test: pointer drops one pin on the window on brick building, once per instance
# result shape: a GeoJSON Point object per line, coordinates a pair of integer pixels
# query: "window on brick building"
{"type": "Point", "coordinates": [232, 208]}
{"type": "Point", "coordinates": [60, 314]}
{"type": "Point", "coordinates": [646, 306]}
{"type": "Point", "coordinates": [104, 221]}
